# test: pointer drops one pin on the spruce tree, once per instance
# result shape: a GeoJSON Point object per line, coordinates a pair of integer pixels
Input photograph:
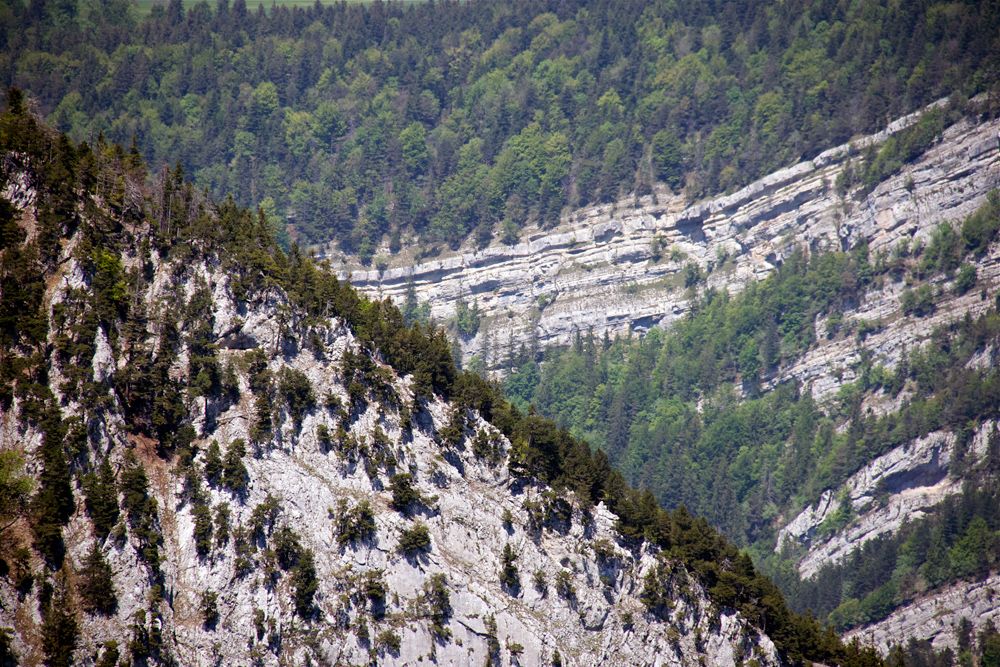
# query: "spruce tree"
{"type": "Point", "coordinates": [135, 487]}
{"type": "Point", "coordinates": [53, 504]}
{"type": "Point", "coordinates": [59, 629]}
{"type": "Point", "coordinates": [213, 463]}
{"type": "Point", "coordinates": [102, 500]}
{"type": "Point", "coordinates": [234, 473]}
{"type": "Point", "coordinates": [97, 590]}
{"type": "Point", "coordinates": [110, 656]}
{"type": "Point", "coordinates": [306, 584]}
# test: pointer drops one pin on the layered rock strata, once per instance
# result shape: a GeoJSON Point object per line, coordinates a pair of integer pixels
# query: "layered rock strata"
{"type": "Point", "coordinates": [601, 270]}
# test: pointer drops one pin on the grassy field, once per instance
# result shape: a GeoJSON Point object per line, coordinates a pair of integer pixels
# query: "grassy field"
{"type": "Point", "coordinates": [145, 6]}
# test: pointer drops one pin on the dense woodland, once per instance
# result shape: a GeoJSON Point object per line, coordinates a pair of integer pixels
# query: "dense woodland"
{"type": "Point", "coordinates": [93, 194]}
{"type": "Point", "coordinates": [683, 414]}
{"type": "Point", "coordinates": [368, 123]}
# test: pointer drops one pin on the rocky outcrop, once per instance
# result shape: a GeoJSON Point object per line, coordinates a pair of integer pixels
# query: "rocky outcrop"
{"type": "Point", "coordinates": [936, 618]}
{"type": "Point", "coordinates": [896, 487]}
{"type": "Point", "coordinates": [576, 591]}
{"type": "Point", "coordinates": [598, 269]}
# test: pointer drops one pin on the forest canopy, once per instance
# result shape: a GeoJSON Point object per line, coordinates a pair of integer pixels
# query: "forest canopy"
{"type": "Point", "coordinates": [368, 123]}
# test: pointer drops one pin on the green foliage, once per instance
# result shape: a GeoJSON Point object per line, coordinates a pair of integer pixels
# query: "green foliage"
{"type": "Point", "coordinates": [141, 509]}
{"type": "Point", "coordinates": [110, 656]}
{"type": "Point", "coordinates": [374, 589]}
{"type": "Point", "coordinates": [15, 487]}
{"type": "Point", "coordinates": [467, 319]}
{"type": "Point", "coordinates": [437, 599]}
{"type": "Point", "coordinates": [296, 391]}
{"type": "Point", "coordinates": [222, 515]}
{"type": "Point", "coordinates": [97, 591]}
{"type": "Point", "coordinates": [389, 640]}
{"type": "Point", "coordinates": [486, 446]}
{"type": "Point", "coordinates": [414, 539]}
{"type": "Point", "coordinates": [957, 541]}
{"type": "Point", "coordinates": [902, 147]}
{"type": "Point", "coordinates": [203, 527]}
{"type": "Point", "coordinates": [945, 251]}
{"type": "Point", "coordinates": [666, 155]}
{"type": "Point", "coordinates": [263, 517]}
{"type": "Point", "coordinates": [403, 492]}
{"type": "Point", "coordinates": [492, 642]}
{"type": "Point", "coordinates": [564, 585]}
{"type": "Point", "coordinates": [8, 658]}
{"type": "Point", "coordinates": [204, 373]}
{"type": "Point", "coordinates": [918, 302]}
{"type": "Point", "coordinates": [286, 546]}
{"type": "Point", "coordinates": [979, 230]}
{"type": "Point", "coordinates": [53, 505]}
{"type": "Point", "coordinates": [540, 582]}
{"type": "Point", "coordinates": [966, 279]}
{"type": "Point", "coordinates": [524, 107]}
{"type": "Point", "coordinates": [306, 583]}
{"type": "Point", "coordinates": [245, 245]}
{"type": "Point", "coordinates": [508, 570]}
{"type": "Point", "coordinates": [60, 630]}
{"type": "Point", "coordinates": [234, 474]}
{"type": "Point", "coordinates": [102, 499]}
{"type": "Point", "coordinates": [353, 524]}
{"type": "Point", "coordinates": [213, 463]}
{"type": "Point", "coordinates": [209, 608]}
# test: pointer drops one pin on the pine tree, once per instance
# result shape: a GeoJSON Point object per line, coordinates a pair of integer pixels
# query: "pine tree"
{"type": "Point", "coordinates": [110, 656]}
{"type": "Point", "coordinates": [97, 590]}
{"type": "Point", "coordinates": [135, 487]}
{"type": "Point", "coordinates": [59, 629]}
{"type": "Point", "coordinates": [7, 656]}
{"type": "Point", "coordinates": [234, 473]}
{"type": "Point", "coordinates": [53, 505]}
{"type": "Point", "coordinates": [102, 500]}
{"type": "Point", "coordinates": [508, 571]}
{"type": "Point", "coordinates": [213, 463]}
{"type": "Point", "coordinates": [306, 584]}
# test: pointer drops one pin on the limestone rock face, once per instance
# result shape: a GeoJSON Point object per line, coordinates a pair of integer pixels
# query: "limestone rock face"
{"type": "Point", "coordinates": [936, 618]}
{"type": "Point", "coordinates": [597, 269]}
{"type": "Point", "coordinates": [622, 267]}
{"type": "Point", "coordinates": [896, 487]}
{"type": "Point", "coordinates": [578, 584]}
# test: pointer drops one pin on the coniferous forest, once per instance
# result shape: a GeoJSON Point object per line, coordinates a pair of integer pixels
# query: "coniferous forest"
{"type": "Point", "coordinates": [210, 133]}
{"type": "Point", "coordinates": [368, 124]}
{"type": "Point", "coordinates": [88, 191]}
{"type": "Point", "coordinates": [666, 410]}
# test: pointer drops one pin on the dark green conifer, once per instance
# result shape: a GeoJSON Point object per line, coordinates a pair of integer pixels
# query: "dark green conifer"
{"type": "Point", "coordinates": [53, 504]}
{"type": "Point", "coordinates": [102, 500]}
{"type": "Point", "coordinates": [7, 656]}
{"type": "Point", "coordinates": [97, 590]}
{"type": "Point", "coordinates": [59, 629]}
{"type": "Point", "coordinates": [306, 584]}
{"type": "Point", "coordinates": [234, 473]}
{"type": "Point", "coordinates": [213, 463]}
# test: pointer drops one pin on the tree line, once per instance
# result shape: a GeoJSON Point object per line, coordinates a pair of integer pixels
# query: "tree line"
{"type": "Point", "coordinates": [362, 123]}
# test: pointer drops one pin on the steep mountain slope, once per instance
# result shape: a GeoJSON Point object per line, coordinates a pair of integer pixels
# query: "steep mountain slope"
{"type": "Point", "coordinates": [889, 362]}
{"type": "Point", "coordinates": [625, 266]}
{"type": "Point", "coordinates": [234, 458]}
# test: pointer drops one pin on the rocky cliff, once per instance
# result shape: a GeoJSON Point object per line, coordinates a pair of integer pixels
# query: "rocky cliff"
{"type": "Point", "coordinates": [936, 617]}
{"type": "Point", "coordinates": [622, 267]}
{"type": "Point", "coordinates": [309, 552]}
{"type": "Point", "coordinates": [600, 268]}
